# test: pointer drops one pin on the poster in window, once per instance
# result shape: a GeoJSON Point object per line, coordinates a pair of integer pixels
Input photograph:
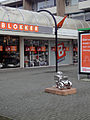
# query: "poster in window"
{"type": "Point", "coordinates": [43, 49]}
{"type": "Point", "coordinates": [1, 48]}
{"type": "Point", "coordinates": [67, 49]}
{"type": "Point", "coordinates": [32, 49]}
{"type": "Point", "coordinates": [14, 48]}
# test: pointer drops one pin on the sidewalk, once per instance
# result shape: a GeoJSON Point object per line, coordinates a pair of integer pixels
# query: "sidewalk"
{"type": "Point", "coordinates": [22, 95]}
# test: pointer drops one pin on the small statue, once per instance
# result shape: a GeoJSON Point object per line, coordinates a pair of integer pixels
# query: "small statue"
{"type": "Point", "coordinates": [62, 81]}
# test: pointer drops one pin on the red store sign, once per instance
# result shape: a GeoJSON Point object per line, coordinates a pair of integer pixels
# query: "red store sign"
{"type": "Point", "coordinates": [20, 27]}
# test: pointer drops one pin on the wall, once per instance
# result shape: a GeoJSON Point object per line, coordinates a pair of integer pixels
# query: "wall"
{"type": "Point", "coordinates": [27, 5]}
{"type": "Point", "coordinates": [60, 7]}
{"type": "Point", "coordinates": [84, 5]}
{"type": "Point", "coordinates": [72, 9]}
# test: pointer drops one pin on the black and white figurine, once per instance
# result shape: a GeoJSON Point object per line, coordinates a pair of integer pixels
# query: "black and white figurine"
{"type": "Point", "coordinates": [62, 81]}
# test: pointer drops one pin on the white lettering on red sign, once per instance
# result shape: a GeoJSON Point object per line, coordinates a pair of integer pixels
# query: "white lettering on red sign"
{"type": "Point", "coordinates": [20, 27]}
{"type": "Point", "coordinates": [9, 25]}
{"type": "Point", "coordinates": [3, 25]}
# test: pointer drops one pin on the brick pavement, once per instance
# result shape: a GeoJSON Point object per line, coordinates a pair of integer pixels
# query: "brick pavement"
{"type": "Point", "coordinates": [22, 95]}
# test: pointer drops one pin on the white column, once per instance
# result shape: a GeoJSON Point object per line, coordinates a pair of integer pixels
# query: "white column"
{"type": "Point", "coordinates": [21, 52]}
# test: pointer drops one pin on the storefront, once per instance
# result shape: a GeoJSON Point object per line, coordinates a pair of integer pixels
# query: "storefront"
{"type": "Point", "coordinates": [9, 51]}
{"type": "Point", "coordinates": [27, 39]}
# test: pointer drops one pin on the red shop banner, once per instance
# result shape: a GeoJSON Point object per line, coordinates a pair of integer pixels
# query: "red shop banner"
{"type": "Point", "coordinates": [7, 48]}
{"type": "Point", "coordinates": [27, 48]}
{"type": "Point", "coordinates": [43, 49]}
{"type": "Point", "coordinates": [13, 48]}
{"type": "Point", "coordinates": [1, 48]}
{"type": "Point", "coordinates": [32, 49]}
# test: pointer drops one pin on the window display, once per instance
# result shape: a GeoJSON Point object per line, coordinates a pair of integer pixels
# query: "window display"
{"type": "Point", "coordinates": [9, 52]}
{"type": "Point", "coordinates": [36, 53]}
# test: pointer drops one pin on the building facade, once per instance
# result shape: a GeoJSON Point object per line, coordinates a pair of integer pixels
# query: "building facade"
{"type": "Point", "coordinates": [73, 8]}
{"type": "Point", "coordinates": [26, 42]}
{"type": "Point", "coordinates": [78, 9]}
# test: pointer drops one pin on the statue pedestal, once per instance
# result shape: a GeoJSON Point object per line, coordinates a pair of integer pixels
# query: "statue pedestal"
{"type": "Point", "coordinates": [57, 91]}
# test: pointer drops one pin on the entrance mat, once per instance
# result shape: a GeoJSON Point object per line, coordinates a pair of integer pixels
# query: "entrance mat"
{"type": "Point", "coordinates": [57, 91]}
{"type": "Point", "coordinates": [4, 118]}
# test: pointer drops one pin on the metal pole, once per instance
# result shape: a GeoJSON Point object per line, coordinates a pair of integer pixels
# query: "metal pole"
{"type": "Point", "coordinates": [55, 34]}
{"type": "Point", "coordinates": [56, 47]}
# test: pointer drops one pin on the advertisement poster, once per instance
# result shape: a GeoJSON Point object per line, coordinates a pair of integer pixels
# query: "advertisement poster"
{"type": "Point", "coordinates": [85, 53]}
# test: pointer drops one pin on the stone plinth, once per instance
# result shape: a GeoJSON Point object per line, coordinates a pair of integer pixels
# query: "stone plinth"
{"type": "Point", "coordinates": [57, 91]}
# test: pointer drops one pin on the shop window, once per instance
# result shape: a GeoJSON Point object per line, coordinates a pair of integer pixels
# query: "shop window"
{"type": "Point", "coordinates": [36, 53]}
{"type": "Point", "coordinates": [74, 2]}
{"type": "Point", "coordinates": [67, 2]}
{"type": "Point", "coordinates": [46, 4]}
{"type": "Point", "coordinates": [9, 52]}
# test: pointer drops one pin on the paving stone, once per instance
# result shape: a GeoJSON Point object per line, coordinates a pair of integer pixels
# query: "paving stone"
{"type": "Point", "coordinates": [23, 97]}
